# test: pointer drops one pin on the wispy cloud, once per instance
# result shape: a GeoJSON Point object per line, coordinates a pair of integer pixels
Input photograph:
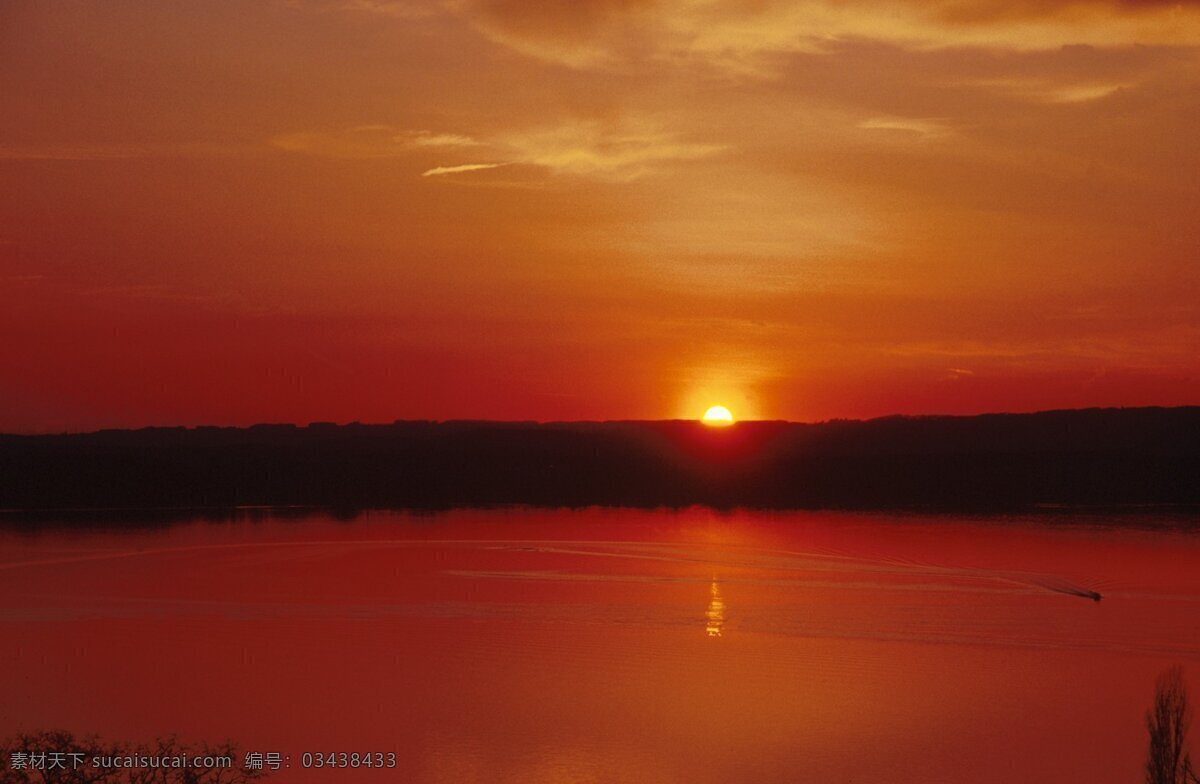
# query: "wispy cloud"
{"type": "Point", "coordinates": [1042, 90]}
{"type": "Point", "coordinates": [1170, 345]}
{"type": "Point", "coordinates": [745, 36]}
{"type": "Point", "coordinates": [430, 139]}
{"type": "Point", "coordinates": [110, 152]}
{"type": "Point", "coordinates": [623, 150]}
{"type": "Point", "coordinates": [363, 141]}
{"type": "Point", "coordinates": [396, 9]}
{"type": "Point", "coordinates": [620, 150]}
{"type": "Point", "coordinates": [1081, 93]}
{"type": "Point", "coordinates": [463, 167]}
{"type": "Point", "coordinates": [373, 140]}
{"type": "Point", "coordinates": [922, 126]}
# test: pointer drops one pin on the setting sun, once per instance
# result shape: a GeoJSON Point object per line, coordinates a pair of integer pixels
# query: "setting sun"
{"type": "Point", "coordinates": [717, 415]}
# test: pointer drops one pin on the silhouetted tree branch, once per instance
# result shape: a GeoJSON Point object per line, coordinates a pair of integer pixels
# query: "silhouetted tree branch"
{"type": "Point", "coordinates": [1168, 721]}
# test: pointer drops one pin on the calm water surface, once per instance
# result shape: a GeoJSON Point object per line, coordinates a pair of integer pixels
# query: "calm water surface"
{"type": "Point", "coordinates": [612, 645]}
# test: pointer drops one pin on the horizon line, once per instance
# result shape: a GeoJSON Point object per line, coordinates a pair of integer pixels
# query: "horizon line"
{"type": "Point", "coordinates": [317, 424]}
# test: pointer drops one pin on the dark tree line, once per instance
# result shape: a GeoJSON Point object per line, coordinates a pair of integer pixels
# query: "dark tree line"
{"type": "Point", "coordinates": [1110, 457]}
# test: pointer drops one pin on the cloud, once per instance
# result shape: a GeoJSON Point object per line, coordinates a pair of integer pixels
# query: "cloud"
{"type": "Point", "coordinates": [619, 150]}
{"type": "Point", "coordinates": [428, 139]}
{"type": "Point", "coordinates": [110, 152]}
{"type": "Point", "coordinates": [465, 167]}
{"type": "Point", "coordinates": [396, 9]}
{"type": "Point", "coordinates": [1080, 93]}
{"type": "Point", "coordinates": [364, 141]}
{"type": "Point", "coordinates": [1046, 91]}
{"type": "Point", "coordinates": [623, 150]}
{"type": "Point", "coordinates": [576, 33]}
{"type": "Point", "coordinates": [746, 35]}
{"type": "Point", "coordinates": [928, 127]}
{"type": "Point", "coordinates": [375, 140]}
{"type": "Point", "coordinates": [1159, 345]}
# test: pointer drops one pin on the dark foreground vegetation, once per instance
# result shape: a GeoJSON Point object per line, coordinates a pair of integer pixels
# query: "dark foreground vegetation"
{"type": "Point", "coordinates": [1168, 721]}
{"type": "Point", "coordinates": [1096, 457]}
{"type": "Point", "coordinates": [60, 757]}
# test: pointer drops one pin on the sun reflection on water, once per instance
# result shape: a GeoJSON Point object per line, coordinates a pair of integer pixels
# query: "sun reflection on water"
{"type": "Point", "coordinates": [715, 614]}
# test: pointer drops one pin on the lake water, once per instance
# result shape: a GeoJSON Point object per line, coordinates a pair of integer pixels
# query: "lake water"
{"type": "Point", "coordinates": [612, 645]}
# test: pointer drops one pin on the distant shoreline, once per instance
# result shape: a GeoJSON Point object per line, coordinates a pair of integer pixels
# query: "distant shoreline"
{"type": "Point", "coordinates": [1143, 517]}
{"type": "Point", "coordinates": [1105, 460]}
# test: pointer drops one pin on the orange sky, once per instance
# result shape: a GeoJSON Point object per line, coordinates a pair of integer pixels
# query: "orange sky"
{"type": "Point", "coordinates": [232, 212]}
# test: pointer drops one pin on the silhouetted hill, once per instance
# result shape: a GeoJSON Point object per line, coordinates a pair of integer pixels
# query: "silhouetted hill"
{"type": "Point", "coordinates": [1102, 457]}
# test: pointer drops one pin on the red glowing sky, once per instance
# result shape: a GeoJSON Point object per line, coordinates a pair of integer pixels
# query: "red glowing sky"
{"type": "Point", "coordinates": [368, 210]}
